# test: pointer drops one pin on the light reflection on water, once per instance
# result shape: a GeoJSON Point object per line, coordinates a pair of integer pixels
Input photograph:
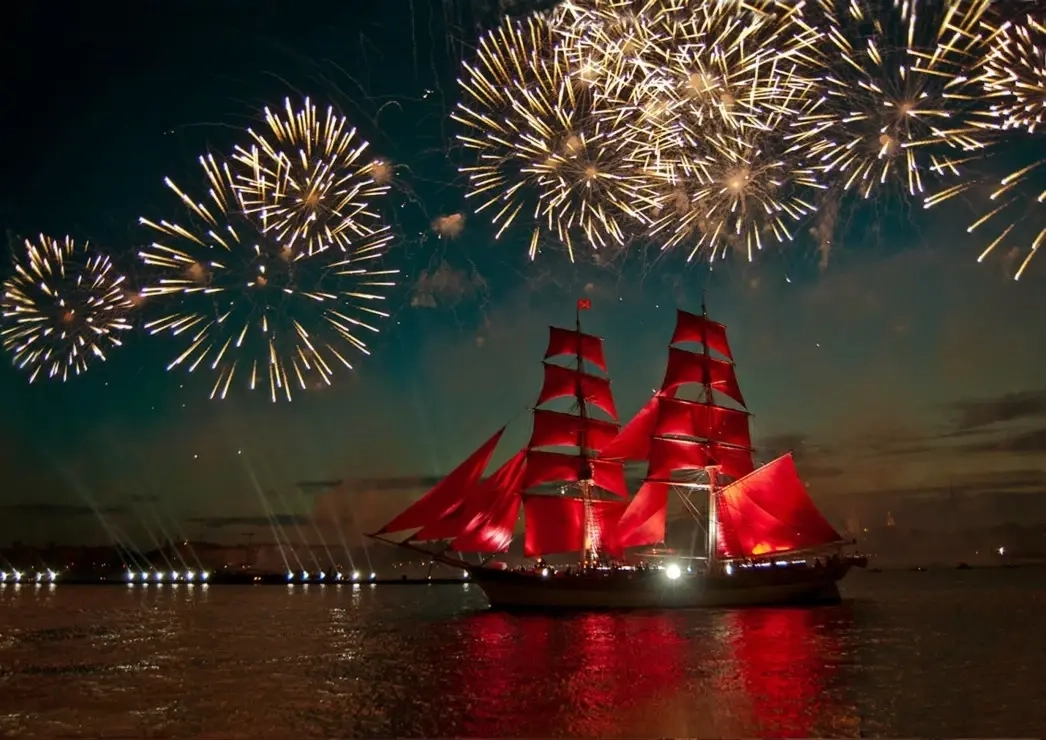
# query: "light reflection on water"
{"type": "Point", "coordinates": [938, 653]}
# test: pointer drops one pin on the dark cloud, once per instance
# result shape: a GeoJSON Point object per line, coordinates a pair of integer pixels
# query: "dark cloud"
{"type": "Point", "coordinates": [60, 510]}
{"type": "Point", "coordinates": [817, 470]}
{"type": "Point", "coordinates": [1022, 481]}
{"type": "Point", "coordinates": [225, 522]}
{"type": "Point", "coordinates": [1031, 442]}
{"type": "Point", "coordinates": [389, 483]}
{"type": "Point", "coordinates": [446, 286]}
{"type": "Point", "coordinates": [778, 444]}
{"type": "Point", "coordinates": [983, 412]}
{"type": "Point", "coordinates": [143, 498]}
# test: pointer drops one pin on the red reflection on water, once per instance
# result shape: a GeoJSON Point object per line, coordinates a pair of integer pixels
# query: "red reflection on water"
{"type": "Point", "coordinates": [786, 658]}
{"type": "Point", "coordinates": [582, 675]}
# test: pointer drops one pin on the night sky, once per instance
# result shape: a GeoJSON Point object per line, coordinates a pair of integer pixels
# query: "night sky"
{"type": "Point", "coordinates": [899, 370]}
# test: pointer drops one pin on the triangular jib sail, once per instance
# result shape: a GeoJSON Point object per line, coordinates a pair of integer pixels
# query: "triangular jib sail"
{"type": "Point", "coordinates": [769, 512]}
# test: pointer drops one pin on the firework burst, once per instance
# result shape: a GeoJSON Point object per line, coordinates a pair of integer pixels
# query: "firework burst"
{"type": "Point", "coordinates": [64, 307]}
{"type": "Point", "coordinates": [308, 181]}
{"type": "Point", "coordinates": [250, 304]}
{"type": "Point", "coordinates": [1014, 72]}
{"type": "Point", "coordinates": [895, 100]}
{"type": "Point", "coordinates": [543, 149]}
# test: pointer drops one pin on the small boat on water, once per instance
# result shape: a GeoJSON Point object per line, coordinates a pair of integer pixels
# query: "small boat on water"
{"type": "Point", "coordinates": [766, 541]}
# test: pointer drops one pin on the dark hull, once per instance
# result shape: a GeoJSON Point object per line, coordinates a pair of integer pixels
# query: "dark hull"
{"type": "Point", "coordinates": [654, 590]}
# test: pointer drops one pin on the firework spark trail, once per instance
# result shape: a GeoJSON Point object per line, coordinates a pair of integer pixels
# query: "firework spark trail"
{"type": "Point", "coordinates": [896, 100]}
{"type": "Point", "coordinates": [1015, 198]}
{"type": "Point", "coordinates": [247, 301]}
{"type": "Point", "coordinates": [64, 306]}
{"type": "Point", "coordinates": [308, 180]}
{"type": "Point", "coordinates": [542, 147]}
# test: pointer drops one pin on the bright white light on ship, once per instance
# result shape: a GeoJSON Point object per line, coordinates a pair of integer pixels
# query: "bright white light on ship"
{"type": "Point", "coordinates": [305, 575]}
{"type": "Point", "coordinates": [337, 576]}
{"type": "Point", "coordinates": [373, 576]}
{"type": "Point", "coordinates": [672, 572]}
{"type": "Point", "coordinates": [144, 576]}
{"type": "Point", "coordinates": [355, 575]}
{"type": "Point", "coordinates": [17, 576]}
{"type": "Point", "coordinates": [1002, 550]}
{"type": "Point", "coordinates": [204, 576]}
{"type": "Point", "coordinates": [729, 569]}
{"type": "Point", "coordinates": [544, 572]}
{"type": "Point", "coordinates": [322, 575]}
{"type": "Point", "coordinates": [189, 575]}
{"type": "Point", "coordinates": [158, 576]}
{"type": "Point", "coordinates": [465, 574]}
{"type": "Point", "coordinates": [290, 576]}
{"type": "Point", "coordinates": [51, 575]}
{"type": "Point", "coordinates": [3, 576]}
{"type": "Point", "coordinates": [174, 576]}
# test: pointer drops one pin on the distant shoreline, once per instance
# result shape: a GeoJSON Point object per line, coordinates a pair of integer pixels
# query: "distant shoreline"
{"type": "Point", "coordinates": [276, 579]}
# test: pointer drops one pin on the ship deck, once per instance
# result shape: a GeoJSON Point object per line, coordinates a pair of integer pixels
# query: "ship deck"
{"type": "Point", "coordinates": [619, 588]}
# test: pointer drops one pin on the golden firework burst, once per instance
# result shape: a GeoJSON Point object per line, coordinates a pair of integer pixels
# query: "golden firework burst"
{"type": "Point", "coordinates": [896, 101]}
{"type": "Point", "coordinates": [1014, 74]}
{"type": "Point", "coordinates": [543, 149]}
{"type": "Point", "coordinates": [308, 181]}
{"type": "Point", "coordinates": [251, 304]}
{"type": "Point", "coordinates": [65, 306]}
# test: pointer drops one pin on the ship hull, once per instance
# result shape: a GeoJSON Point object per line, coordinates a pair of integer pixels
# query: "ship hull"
{"type": "Point", "coordinates": [654, 590]}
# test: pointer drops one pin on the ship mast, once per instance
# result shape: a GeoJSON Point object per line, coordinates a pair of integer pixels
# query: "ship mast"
{"type": "Point", "coordinates": [585, 469]}
{"type": "Point", "coordinates": [711, 470]}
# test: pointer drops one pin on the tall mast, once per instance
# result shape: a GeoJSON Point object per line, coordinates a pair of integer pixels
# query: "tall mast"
{"type": "Point", "coordinates": [711, 470]}
{"type": "Point", "coordinates": [585, 472]}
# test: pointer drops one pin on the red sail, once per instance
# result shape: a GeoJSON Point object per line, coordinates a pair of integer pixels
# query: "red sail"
{"type": "Point", "coordinates": [633, 441]}
{"type": "Point", "coordinates": [446, 494]}
{"type": "Point", "coordinates": [556, 524]}
{"type": "Point", "coordinates": [643, 522]}
{"type": "Point", "coordinates": [551, 467]}
{"type": "Point", "coordinates": [690, 419]}
{"type": "Point", "coordinates": [688, 367]}
{"type": "Point", "coordinates": [693, 328]}
{"type": "Point", "coordinates": [769, 511]}
{"type": "Point", "coordinates": [607, 515]}
{"type": "Point", "coordinates": [555, 429]}
{"type": "Point", "coordinates": [669, 455]}
{"type": "Point", "coordinates": [733, 461]}
{"type": "Point", "coordinates": [491, 530]}
{"type": "Point", "coordinates": [561, 382]}
{"type": "Point", "coordinates": [569, 342]}
{"type": "Point", "coordinates": [473, 502]}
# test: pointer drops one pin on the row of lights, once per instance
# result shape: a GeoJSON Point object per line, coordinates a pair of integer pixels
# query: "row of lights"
{"type": "Point", "coordinates": [16, 576]}
{"type": "Point", "coordinates": [322, 576]}
{"type": "Point", "coordinates": [172, 577]}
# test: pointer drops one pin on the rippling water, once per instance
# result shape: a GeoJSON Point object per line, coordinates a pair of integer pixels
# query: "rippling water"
{"type": "Point", "coordinates": [956, 653]}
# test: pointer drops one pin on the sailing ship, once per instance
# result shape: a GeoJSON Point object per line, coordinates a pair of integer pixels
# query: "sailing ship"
{"type": "Point", "coordinates": [766, 541]}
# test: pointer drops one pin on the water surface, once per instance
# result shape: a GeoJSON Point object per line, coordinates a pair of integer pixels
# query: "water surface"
{"type": "Point", "coordinates": [948, 653]}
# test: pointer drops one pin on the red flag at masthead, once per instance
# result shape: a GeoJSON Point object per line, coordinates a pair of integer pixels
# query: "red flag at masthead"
{"type": "Point", "coordinates": [583, 304]}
